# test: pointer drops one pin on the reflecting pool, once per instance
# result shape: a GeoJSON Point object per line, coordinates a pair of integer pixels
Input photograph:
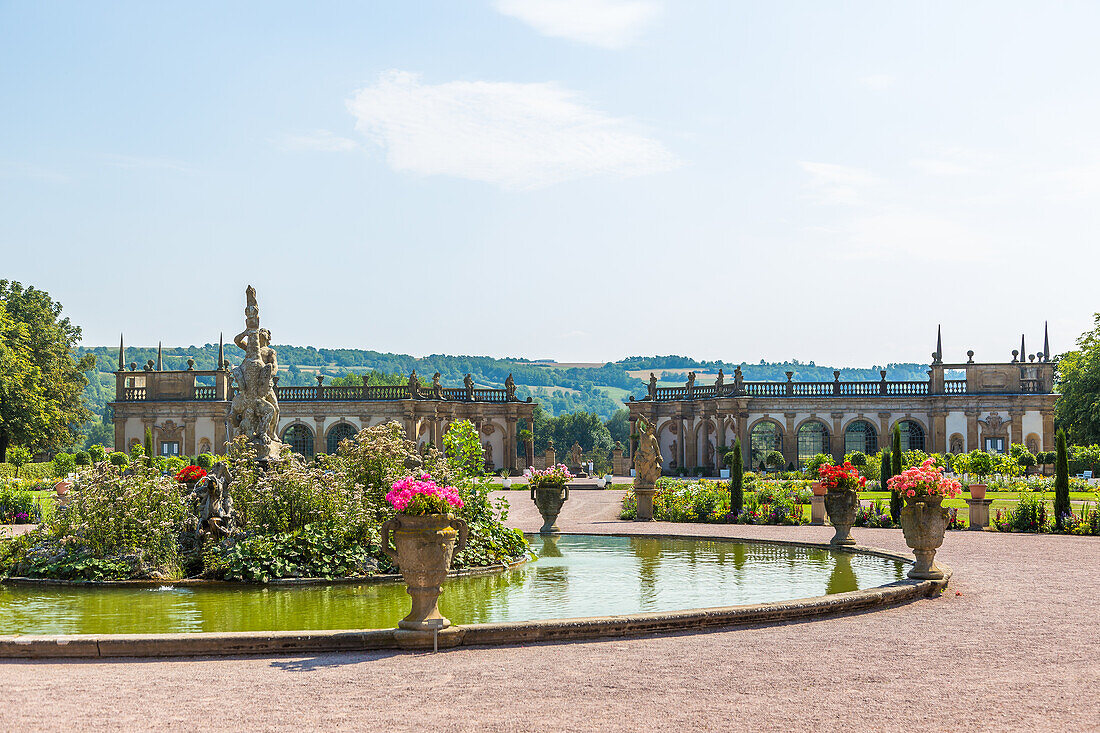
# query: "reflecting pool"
{"type": "Point", "coordinates": [575, 575]}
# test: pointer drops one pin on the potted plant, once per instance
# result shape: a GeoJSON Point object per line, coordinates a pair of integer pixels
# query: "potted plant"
{"type": "Point", "coordinates": [190, 475]}
{"type": "Point", "coordinates": [981, 464]}
{"type": "Point", "coordinates": [549, 491]}
{"type": "Point", "coordinates": [923, 519]}
{"type": "Point", "coordinates": [842, 484]}
{"type": "Point", "coordinates": [505, 479]}
{"type": "Point", "coordinates": [425, 537]}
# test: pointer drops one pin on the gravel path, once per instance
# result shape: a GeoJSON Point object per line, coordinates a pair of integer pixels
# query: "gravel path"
{"type": "Point", "coordinates": [1014, 644]}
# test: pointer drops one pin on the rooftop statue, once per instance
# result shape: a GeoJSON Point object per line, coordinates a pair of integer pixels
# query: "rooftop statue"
{"type": "Point", "coordinates": [254, 411]}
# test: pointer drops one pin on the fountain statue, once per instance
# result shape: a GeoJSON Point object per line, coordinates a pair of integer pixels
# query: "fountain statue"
{"type": "Point", "coordinates": [255, 409]}
{"type": "Point", "coordinates": [647, 465]}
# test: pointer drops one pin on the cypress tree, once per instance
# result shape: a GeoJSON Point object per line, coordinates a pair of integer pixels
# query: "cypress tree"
{"type": "Point", "coordinates": [737, 479]}
{"type": "Point", "coordinates": [884, 469]}
{"type": "Point", "coordinates": [1061, 483]}
{"type": "Point", "coordinates": [148, 446]}
{"type": "Point", "coordinates": [895, 469]}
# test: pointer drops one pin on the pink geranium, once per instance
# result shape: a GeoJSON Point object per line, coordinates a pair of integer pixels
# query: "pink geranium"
{"type": "Point", "coordinates": [419, 496]}
{"type": "Point", "coordinates": [923, 481]}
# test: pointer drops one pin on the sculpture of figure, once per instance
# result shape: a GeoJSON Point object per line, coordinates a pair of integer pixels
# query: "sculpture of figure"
{"type": "Point", "coordinates": [647, 458]}
{"type": "Point", "coordinates": [469, 382]}
{"type": "Point", "coordinates": [956, 444]}
{"type": "Point", "coordinates": [437, 388]}
{"type": "Point", "coordinates": [719, 382]}
{"type": "Point", "coordinates": [414, 386]}
{"type": "Point", "coordinates": [489, 456]}
{"type": "Point", "coordinates": [575, 453]}
{"type": "Point", "coordinates": [215, 503]}
{"type": "Point", "coordinates": [254, 411]}
{"type": "Point", "coordinates": [691, 385]}
{"type": "Point", "coordinates": [510, 388]}
{"type": "Point", "coordinates": [652, 386]}
{"type": "Point", "coordinates": [673, 463]}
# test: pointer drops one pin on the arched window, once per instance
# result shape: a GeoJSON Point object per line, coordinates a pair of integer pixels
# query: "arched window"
{"type": "Point", "coordinates": [861, 436]}
{"type": "Point", "coordinates": [912, 435]}
{"type": "Point", "coordinates": [813, 438]}
{"type": "Point", "coordinates": [300, 440]}
{"type": "Point", "coordinates": [340, 431]}
{"type": "Point", "coordinates": [764, 438]}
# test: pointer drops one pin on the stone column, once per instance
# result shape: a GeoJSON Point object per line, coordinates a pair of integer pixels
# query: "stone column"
{"type": "Point", "coordinates": [938, 435]}
{"type": "Point", "coordinates": [633, 442]}
{"type": "Point", "coordinates": [836, 439]}
{"type": "Point", "coordinates": [318, 434]}
{"type": "Point", "coordinates": [1016, 426]}
{"type": "Point", "coordinates": [189, 435]}
{"type": "Point", "coordinates": [510, 443]}
{"type": "Point", "coordinates": [790, 440]}
{"type": "Point", "coordinates": [884, 431]}
{"type": "Point", "coordinates": [120, 431]}
{"type": "Point", "coordinates": [972, 428]}
{"type": "Point", "coordinates": [219, 435]}
{"type": "Point", "coordinates": [617, 462]}
{"type": "Point", "coordinates": [1048, 430]}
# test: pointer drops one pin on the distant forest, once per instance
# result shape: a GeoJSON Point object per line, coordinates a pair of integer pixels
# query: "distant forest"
{"type": "Point", "coordinates": [559, 389]}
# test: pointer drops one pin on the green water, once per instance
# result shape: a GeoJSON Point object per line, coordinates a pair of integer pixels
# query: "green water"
{"type": "Point", "coordinates": [580, 575]}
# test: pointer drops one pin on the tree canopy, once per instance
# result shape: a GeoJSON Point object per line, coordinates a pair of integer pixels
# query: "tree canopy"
{"type": "Point", "coordinates": [41, 384]}
{"type": "Point", "coordinates": [1078, 409]}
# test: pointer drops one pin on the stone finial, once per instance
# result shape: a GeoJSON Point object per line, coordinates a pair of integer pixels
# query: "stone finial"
{"type": "Point", "coordinates": [937, 357]}
{"type": "Point", "coordinates": [160, 363]}
{"type": "Point", "coordinates": [320, 380]}
{"type": "Point", "coordinates": [836, 375]}
{"type": "Point", "coordinates": [1031, 357]}
{"type": "Point", "coordinates": [190, 364]}
{"type": "Point", "coordinates": [121, 355]}
{"type": "Point", "coordinates": [789, 375]}
{"type": "Point", "coordinates": [221, 352]}
{"type": "Point", "coordinates": [149, 365]}
{"type": "Point", "coordinates": [1015, 356]}
{"type": "Point", "coordinates": [133, 366]}
{"type": "Point", "coordinates": [970, 356]}
{"type": "Point", "coordinates": [882, 373]}
{"type": "Point", "coordinates": [1046, 341]}
{"type": "Point", "coordinates": [1023, 349]}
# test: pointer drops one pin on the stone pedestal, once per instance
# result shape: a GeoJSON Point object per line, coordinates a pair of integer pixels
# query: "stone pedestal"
{"type": "Point", "coordinates": [645, 504]}
{"type": "Point", "coordinates": [817, 510]}
{"type": "Point", "coordinates": [979, 512]}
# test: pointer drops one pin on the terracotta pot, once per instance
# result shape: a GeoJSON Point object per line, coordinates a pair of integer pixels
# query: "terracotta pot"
{"type": "Point", "coordinates": [841, 506]}
{"type": "Point", "coordinates": [977, 491]}
{"type": "Point", "coordinates": [424, 546]}
{"type": "Point", "coordinates": [924, 523]}
{"type": "Point", "coordinates": [549, 500]}
{"type": "Point", "coordinates": [818, 489]}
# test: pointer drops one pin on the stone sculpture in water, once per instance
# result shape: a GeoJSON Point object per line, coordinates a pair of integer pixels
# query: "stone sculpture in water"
{"type": "Point", "coordinates": [254, 411]}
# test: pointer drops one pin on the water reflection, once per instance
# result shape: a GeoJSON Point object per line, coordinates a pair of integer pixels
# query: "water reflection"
{"type": "Point", "coordinates": [576, 575]}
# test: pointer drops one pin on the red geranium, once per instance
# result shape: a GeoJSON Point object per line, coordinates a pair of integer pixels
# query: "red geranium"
{"type": "Point", "coordinates": [841, 478]}
{"type": "Point", "coordinates": [191, 473]}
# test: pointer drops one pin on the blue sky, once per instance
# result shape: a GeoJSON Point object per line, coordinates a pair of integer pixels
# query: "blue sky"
{"type": "Point", "coordinates": [568, 179]}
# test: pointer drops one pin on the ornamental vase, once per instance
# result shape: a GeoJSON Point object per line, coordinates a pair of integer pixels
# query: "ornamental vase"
{"type": "Point", "coordinates": [549, 499]}
{"type": "Point", "coordinates": [923, 522]}
{"type": "Point", "coordinates": [841, 506]}
{"type": "Point", "coordinates": [422, 548]}
{"type": "Point", "coordinates": [977, 491]}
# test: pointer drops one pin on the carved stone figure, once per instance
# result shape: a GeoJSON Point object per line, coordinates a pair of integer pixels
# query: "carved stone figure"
{"type": "Point", "coordinates": [652, 386]}
{"type": "Point", "coordinates": [254, 411]}
{"type": "Point", "coordinates": [215, 504]}
{"type": "Point", "coordinates": [575, 454]}
{"type": "Point", "coordinates": [956, 444]}
{"type": "Point", "coordinates": [510, 388]}
{"type": "Point", "coordinates": [647, 459]}
{"type": "Point", "coordinates": [719, 382]}
{"type": "Point", "coordinates": [437, 388]}
{"type": "Point", "coordinates": [414, 386]}
{"type": "Point", "coordinates": [691, 382]}
{"type": "Point", "coordinates": [469, 382]}
{"type": "Point", "coordinates": [489, 456]}
{"type": "Point", "coordinates": [995, 424]}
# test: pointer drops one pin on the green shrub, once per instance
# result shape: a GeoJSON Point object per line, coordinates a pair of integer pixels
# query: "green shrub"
{"type": "Point", "coordinates": [819, 460]}
{"type": "Point", "coordinates": [1062, 506]}
{"type": "Point", "coordinates": [1029, 515]}
{"type": "Point", "coordinates": [97, 453]}
{"type": "Point", "coordinates": [463, 448]}
{"type": "Point", "coordinates": [204, 461]}
{"type": "Point", "coordinates": [82, 458]}
{"type": "Point", "coordinates": [63, 464]}
{"type": "Point", "coordinates": [118, 458]}
{"type": "Point", "coordinates": [17, 505]}
{"type": "Point", "coordinates": [737, 478]}
{"type": "Point", "coordinates": [857, 458]}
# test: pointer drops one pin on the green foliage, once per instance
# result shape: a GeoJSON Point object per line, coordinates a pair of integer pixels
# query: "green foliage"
{"type": "Point", "coordinates": [1029, 515]}
{"type": "Point", "coordinates": [773, 459]}
{"type": "Point", "coordinates": [816, 462]}
{"type": "Point", "coordinates": [63, 464]}
{"type": "Point", "coordinates": [17, 506]}
{"type": "Point", "coordinates": [29, 471]}
{"type": "Point", "coordinates": [41, 386]}
{"type": "Point", "coordinates": [204, 461]}
{"type": "Point", "coordinates": [737, 478]}
{"type": "Point", "coordinates": [118, 458]}
{"type": "Point", "coordinates": [1078, 409]}
{"type": "Point", "coordinates": [463, 448]}
{"type": "Point", "coordinates": [1062, 505]}
{"type": "Point", "coordinates": [83, 458]}
{"type": "Point", "coordinates": [149, 452]}
{"type": "Point", "coordinates": [98, 453]}
{"type": "Point", "coordinates": [315, 551]}
{"type": "Point", "coordinates": [857, 458]}
{"type": "Point", "coordinates": [18, 456]}
{"type": "Point", "coordinates": [81, 566]}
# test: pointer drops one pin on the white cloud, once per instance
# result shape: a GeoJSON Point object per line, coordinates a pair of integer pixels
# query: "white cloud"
{"type": "Point", "coordinates": [321, 140]}
{"type": "Point", "coordinates": [604, 23]}
{"type": "Point", "coordinates": [878, 82]}
{"type": "Point", "coordinates": [838, 184]}
{"type": "Point", "coordinates": [514, 135]}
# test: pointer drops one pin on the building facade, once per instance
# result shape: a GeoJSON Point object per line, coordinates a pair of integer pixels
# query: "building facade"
{"type": "Point", "coordinates": [991, 407]}
{"type": "Point", "coordinates": [187, 412]}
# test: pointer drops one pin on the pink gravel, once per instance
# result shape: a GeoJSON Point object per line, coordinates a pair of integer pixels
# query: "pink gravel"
{"type": "Point", "coordinates": [1014, 644]}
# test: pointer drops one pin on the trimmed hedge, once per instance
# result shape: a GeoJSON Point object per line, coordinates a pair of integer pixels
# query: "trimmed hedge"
{"type": "Point", "coordinates": [31, 470]}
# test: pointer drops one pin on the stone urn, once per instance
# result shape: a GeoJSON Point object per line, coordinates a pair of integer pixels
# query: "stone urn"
{"type": "Point", "coordinates": [817, 488]}
{"type": "Point", "coordinates": [923, 522]}
{"type": "Point", "coordinates": [549, 500]}
{"type": "Point", "coordinates": [424, 548]}
{"type": "Point", "coordinates": [977, 491]}
{"type": "Point", "coordinates": [841, 506]}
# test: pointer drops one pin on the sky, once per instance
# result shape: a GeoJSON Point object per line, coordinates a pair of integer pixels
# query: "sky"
{"type": "Point", "coordinates": [580, 180]}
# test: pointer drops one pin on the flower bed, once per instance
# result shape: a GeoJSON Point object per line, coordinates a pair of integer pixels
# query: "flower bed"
{"type": "Point", "coordinates": [708, 501]}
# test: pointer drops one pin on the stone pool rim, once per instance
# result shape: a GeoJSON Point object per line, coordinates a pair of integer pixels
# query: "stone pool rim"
{"type": "Point", "coordinates": [233, 643]}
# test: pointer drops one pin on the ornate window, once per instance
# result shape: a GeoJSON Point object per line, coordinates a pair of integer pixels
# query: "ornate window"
{"type": "Point", "coordinates": [813, 438]}
{"type": "Point", "coordinates": [912, 435]}
{"type": "Point", "coordinates": [300, 439]}
{"type": "Point", "coordinates": [764, 438]}
{"type": "Point", "coordinates": [861, 436]}
{"type": "Point", "coordinates": [340, 431]}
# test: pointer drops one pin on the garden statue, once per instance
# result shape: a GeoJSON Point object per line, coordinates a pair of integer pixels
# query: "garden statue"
{"type": "Point", "coordinates": [469, 382]}
{"type": "Point", "coordinates": [437, 388]}
{"type": "Point", "coordinates": [414, 386]}
{"type": "Point", "coordinates": [691, 384]}
{"type": "Point", "coordinates": [652, 386]}
{"type": "Point", "coordinates": [719, 381]}
{"type": "Point", "coordinates": [647, 465]}
{"type": "Point", "coordinates": [215, 503]}
{"type": "Point", "coordinates": [254, 411]}
{"type": "Point", "coordinates": [488, 454]}
{"type": "Point", "coordinates": [510, 388]}
{"type": "Point", "coordinates": [575, 454]}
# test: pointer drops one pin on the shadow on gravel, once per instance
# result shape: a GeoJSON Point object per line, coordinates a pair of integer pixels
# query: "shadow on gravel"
{"type": "Point", "coordinates": [336, 659]}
